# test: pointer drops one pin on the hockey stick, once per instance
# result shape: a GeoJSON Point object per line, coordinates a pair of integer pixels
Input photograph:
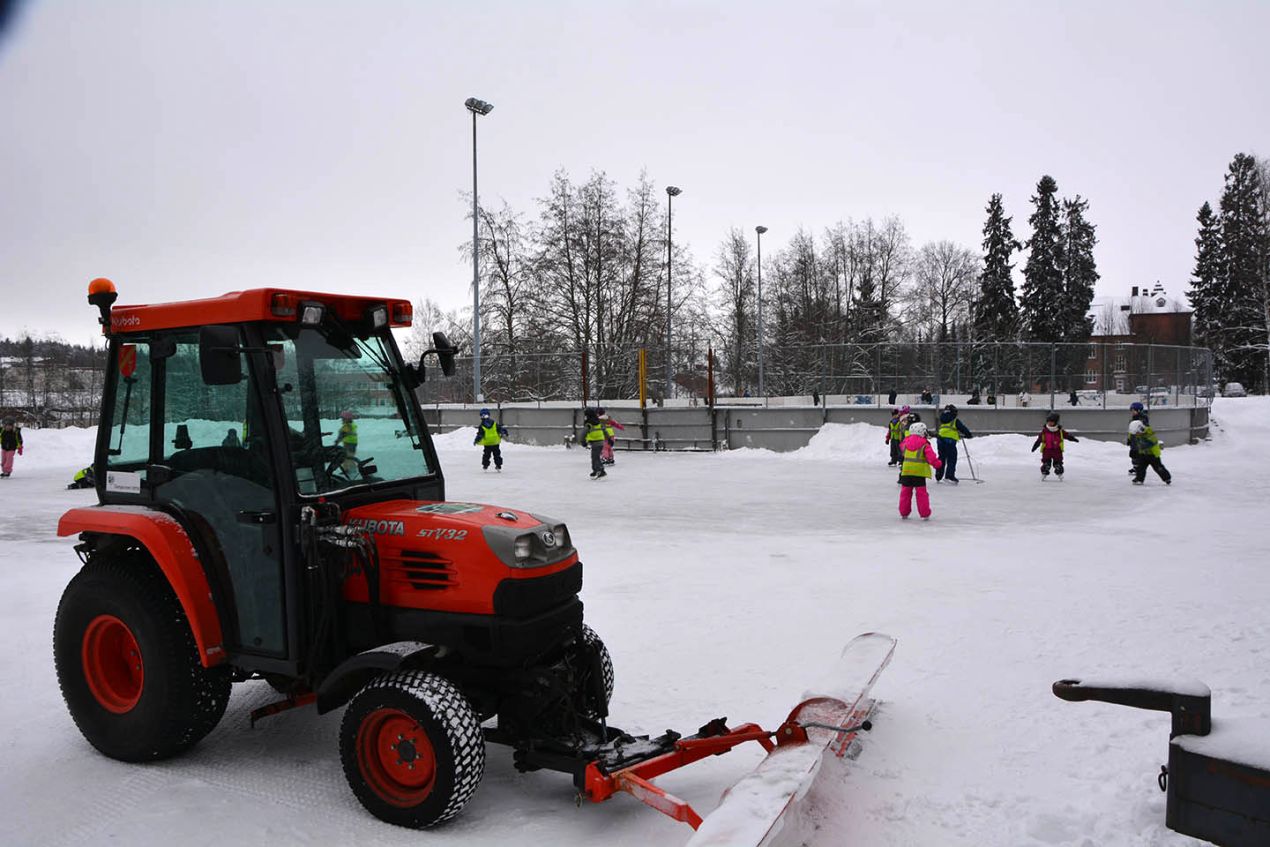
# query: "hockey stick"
{"type": "Point", "coordinates": [970, 462]}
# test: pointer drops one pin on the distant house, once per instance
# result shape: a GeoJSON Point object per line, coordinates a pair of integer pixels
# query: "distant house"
{"type": "Point", "coordinates": [1144, 317]}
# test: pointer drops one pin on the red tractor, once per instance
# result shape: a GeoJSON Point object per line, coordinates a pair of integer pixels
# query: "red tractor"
{"type": "Point", "coordinates": [271, 507]}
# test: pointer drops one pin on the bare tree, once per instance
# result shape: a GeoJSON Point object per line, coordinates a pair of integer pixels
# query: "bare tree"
{"type": "Point", "coordinates": [734, 268]}
{"type": "Point", "coordinates": [940, 296]}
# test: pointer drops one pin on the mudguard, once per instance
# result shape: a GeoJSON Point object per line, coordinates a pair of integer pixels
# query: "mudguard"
{"type": "Point", "coordinates": [166, 541]}
{"type": "Point", "coordinates": [352, 674]}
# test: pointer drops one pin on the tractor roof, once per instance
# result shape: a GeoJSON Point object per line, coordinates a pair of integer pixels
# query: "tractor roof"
{"type": "Point", "coordinates": [257, 304]}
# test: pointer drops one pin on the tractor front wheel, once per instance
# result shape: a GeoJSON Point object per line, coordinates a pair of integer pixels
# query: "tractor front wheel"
{"type": "Point", "coordinates": [128, 665]}
{"type": "Point", "coordinates": [412, 748]}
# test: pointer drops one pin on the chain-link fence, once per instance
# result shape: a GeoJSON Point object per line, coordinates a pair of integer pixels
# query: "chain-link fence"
{"type": "Point", "coordinates": [1001, 374]}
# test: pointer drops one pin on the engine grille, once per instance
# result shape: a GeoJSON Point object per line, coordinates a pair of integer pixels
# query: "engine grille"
{"type": "Point", "coordinates": [425, 571]}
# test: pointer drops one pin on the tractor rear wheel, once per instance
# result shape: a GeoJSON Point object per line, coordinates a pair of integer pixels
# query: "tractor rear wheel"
{"type": "Point", "coordinates": [128, 665]}
{"type": "Point", "coordinates": [412, 748]}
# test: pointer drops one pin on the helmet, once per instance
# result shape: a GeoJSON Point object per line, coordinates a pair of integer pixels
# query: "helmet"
{"type": "Point", "coordinates": [599, 411]}
{"type": "Point", "coordinates": [895, 411]}
{"type": "Point", "coordinates": [1136, 407]}
{"type": "Point", "coordinates": [485, 413]}
{"type": "Point", "coordinates": [1052, 417]}
{"type": "Point", "coordinates": [346, 415]}
{"type": "Point", "coordinates": [1137, 427]}
{"type": "Point", "coordinates": [904, 410]}
{"type": "Point", "coordinates": [913, 417]}
{"type": "Point", "coordinates": [950, 408]}
{"type": "Point", "coordinates": [918, 428]}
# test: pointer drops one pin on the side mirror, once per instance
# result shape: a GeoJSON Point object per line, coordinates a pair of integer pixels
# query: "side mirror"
{"type": "Point", "coordinates": [219, 358]}
{"type": "Point", "coordinates": [445, 352]}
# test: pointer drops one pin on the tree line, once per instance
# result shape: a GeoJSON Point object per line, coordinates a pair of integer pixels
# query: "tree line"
{"type": "Point", "coordinates": [1230, 285]}
{"type": "Point", "coordinates": [588, 271]}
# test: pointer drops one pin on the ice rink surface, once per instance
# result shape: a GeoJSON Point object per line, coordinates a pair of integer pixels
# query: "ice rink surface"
{"type": "Point", "coordinates": [723, 585]}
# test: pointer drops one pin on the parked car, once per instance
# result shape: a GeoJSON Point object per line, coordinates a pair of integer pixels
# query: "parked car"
{"type": "Point", "coordinates": [1234, 389]}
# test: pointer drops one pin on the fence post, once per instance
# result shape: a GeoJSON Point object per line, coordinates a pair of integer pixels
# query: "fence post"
{"type": "Point", "coordinates": [643, 376]}
{"type": "Point", "coordinates": [1150, 368]}
{"type": "Point", "coordinates": [710, 377]}
{"type": "Point", "coordinates": [586, 381]}
{"type": "Point", "coordinates": [1053, 367]}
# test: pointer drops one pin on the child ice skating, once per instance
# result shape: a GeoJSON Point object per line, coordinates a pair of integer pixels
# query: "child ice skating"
{"type": "Point", "coordinates": [596, 434]}
{"type": "Point", "coordinates": [606, 454]}
{"type": "Point", "coordinates": [1051, 441]}
{"type": "Point", "coordinates": [346, 439]}
{"type": "Point", "coordinates": [919, 457]}
{"type": "Point", "coordinates": [894, 435]}
{"type": "Point", "coordinates": [951, 430]}
{"type": "Point", "coordinates": [1144, 449]}
{"type": "Point", "coordinates": [10, 445]}
{"type": "Point", "coordinates": [1138, 412]}
{"type": "Point", "coordinates": [490, 435]}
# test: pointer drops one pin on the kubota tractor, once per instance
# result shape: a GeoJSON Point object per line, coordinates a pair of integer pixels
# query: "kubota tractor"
{"type": "Point", "coordinates": [271, 507]}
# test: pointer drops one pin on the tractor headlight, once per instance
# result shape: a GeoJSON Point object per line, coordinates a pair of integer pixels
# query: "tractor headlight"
{"type": "Point", "coordinates": [311, 313]}
{"type": "Point", "coordinates": [378, 316]}
{"type": "Point", "coordinates": [524, 548]}
{"type": "Point", "coordinates": [561, 533]}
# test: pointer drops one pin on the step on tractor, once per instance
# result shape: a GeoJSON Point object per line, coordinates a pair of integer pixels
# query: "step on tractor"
{"type": "Point", "coordinates": [271, 508]}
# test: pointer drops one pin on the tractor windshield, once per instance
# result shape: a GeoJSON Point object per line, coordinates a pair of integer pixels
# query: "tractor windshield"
{"type": "Point", "coordinates": [347, 409]}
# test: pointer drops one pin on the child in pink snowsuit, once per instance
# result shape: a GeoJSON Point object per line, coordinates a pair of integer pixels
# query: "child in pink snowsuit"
{"type": "Point", "coordinates": [1051, 443]}
{"type": "Point", "coordinates": [919, 458]}
{"type": "Point", "coordinates": [606, 453]}
{"type": "Point", "coordinates": [10, 443]}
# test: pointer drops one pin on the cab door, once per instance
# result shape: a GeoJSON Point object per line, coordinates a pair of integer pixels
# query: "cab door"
{"type": "Point", "coordinates": [213, 469]}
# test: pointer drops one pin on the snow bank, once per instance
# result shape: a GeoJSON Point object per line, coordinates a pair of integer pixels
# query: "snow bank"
{"type": "Point", "coordinates": [57, 447]}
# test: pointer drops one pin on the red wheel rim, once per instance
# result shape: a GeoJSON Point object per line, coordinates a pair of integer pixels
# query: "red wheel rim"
{"type": "Point", "coordinates": [112, 662]}
{"type": "Point", "coordinates": [396, 758]}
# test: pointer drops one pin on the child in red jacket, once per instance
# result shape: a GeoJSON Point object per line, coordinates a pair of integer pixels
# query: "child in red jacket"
{"type": "Point", "coordinates": [919, 458]}
{"type": "Point", "coordinates": [1052, 438]}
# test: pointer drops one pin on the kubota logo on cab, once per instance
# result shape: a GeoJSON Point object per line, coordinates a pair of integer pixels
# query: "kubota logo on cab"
{"type": "Point", "coordinates": [122, 321]}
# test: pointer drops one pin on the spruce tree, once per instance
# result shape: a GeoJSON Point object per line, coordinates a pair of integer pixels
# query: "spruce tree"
{"type": "Point", "coordinates": [1239, 301]}
{"type": "Point", "coordinates": [996, 314]}
{"type": "Point", "coordinates": [1042, 303]}
{"type": "Point", "coordinates": [1080, 270]}
{"type": "Point", "coordinates": [1207, 279]}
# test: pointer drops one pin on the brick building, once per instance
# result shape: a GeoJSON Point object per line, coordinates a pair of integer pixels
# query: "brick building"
{"type": "Point", "coordinates": [1144, 317]}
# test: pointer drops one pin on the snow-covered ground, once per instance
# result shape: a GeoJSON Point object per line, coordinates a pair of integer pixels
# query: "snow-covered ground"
{"type": "Point", "coordinates": [724, 584]}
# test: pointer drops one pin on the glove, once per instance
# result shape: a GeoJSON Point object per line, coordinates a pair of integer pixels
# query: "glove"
{"type": "Point", "coordinates": [19, 451]}
{"type": "Point", "coordinates": [1072, 438]}
{"type": "Point", "coordinates": [1034, 446]}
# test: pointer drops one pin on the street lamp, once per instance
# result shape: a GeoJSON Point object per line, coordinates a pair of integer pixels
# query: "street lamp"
{"type": "Point", "coordinates": [476, 107]}
{"type": "Point", "coordinates": [760, 230]}
{"type": "Point", "coordinates": [671, 193]}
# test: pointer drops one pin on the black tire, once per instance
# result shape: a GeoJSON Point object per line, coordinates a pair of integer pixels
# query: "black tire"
{"type": "Point", "coordinates": [413, 749]}
{"type": "Point", "coordinates": [160, 706]}
{"type": "Point", "coordinates": [594, 642]}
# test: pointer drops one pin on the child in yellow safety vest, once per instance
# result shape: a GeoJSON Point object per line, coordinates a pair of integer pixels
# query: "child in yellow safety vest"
{"type": "Point", "coordinates": [1145, 448]}
{"type": "Point", "coordinates": [490, 435]}
{"type": "Point", "coordinates": [597, 432]}
{"type": "Point", "coordinates": [919, 458]}
{"type": "Point", "coordinates": [346, 439]}
{"type": "Point", "coordinates": [894, 435]}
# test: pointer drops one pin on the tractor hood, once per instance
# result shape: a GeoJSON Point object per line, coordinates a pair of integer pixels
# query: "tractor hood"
{"type": "Point", "coordinates": [518, 539]}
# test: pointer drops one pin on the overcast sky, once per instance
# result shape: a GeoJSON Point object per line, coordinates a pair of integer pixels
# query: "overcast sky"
{"type": "Point", "coordinates": [189, 148]}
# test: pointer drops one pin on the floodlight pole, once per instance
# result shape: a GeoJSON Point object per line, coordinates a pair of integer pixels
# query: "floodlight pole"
{"type": "Point", "coordinates": [759, 230]}
{"type": "Point", "coordinates": [476, 107]}
{"type": "Point", "coordinates": [671, 192]}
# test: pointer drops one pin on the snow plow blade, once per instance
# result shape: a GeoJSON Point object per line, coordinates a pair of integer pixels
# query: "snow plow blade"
{"type": "Point", "coordinates": [763, 807]}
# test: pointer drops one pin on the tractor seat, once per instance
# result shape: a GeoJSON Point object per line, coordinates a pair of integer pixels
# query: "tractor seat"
{"type": "Point", "coordinates": [233, 461]}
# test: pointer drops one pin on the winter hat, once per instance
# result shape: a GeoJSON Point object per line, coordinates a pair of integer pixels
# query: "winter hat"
{"type": "Point", "coordinates": [8, 422]}
{"type": "Point", "coordinates": [1136, 407]}
{"type": "Point", "coordinates": [918, 428]}
{"type": "Point", "coordinates": [590, 415]}
{"type": "Point", "coordinates": [904, 410]}
{"type": "Point", "coordinates": [1052, 416]}
{"type": "Point", "coordinates": [346, 415]}
{"type": "Point", "coordinates": [485, 413]}
{"type": "Point", "coordinates": [1137, 428]}
{"type": "Point", "coordinates": [950, 408]}
{"type": "Point", "coordinates": [895, 411]}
